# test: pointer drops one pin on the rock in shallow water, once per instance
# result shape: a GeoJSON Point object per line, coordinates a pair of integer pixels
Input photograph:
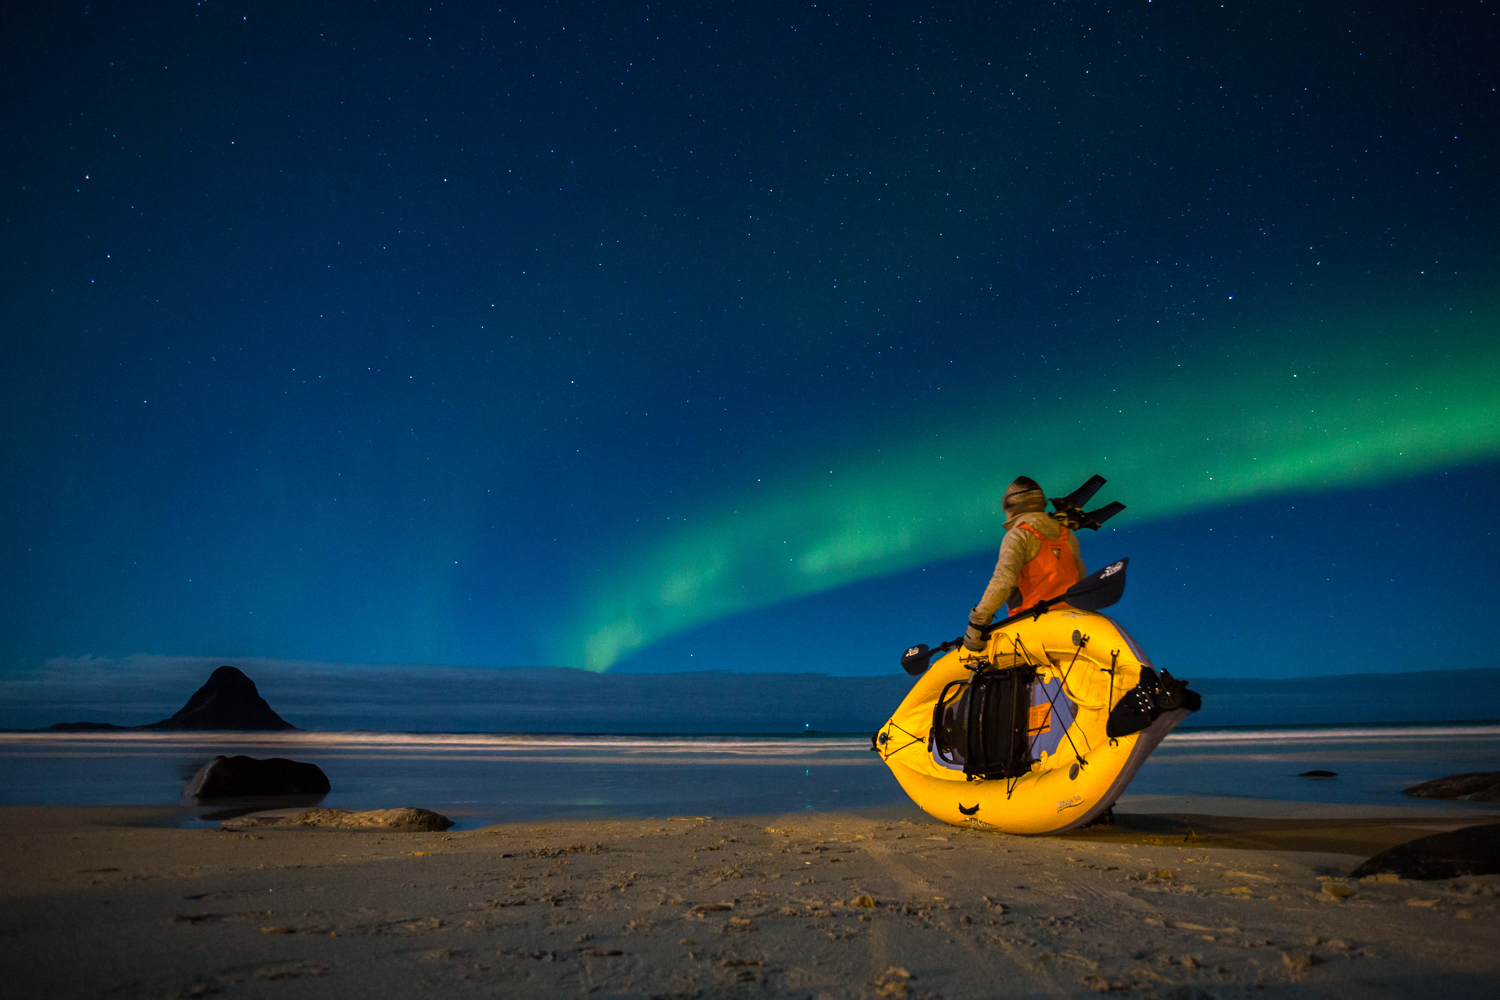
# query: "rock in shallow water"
{"type": "Point", "coordinates": [417, 820]}
{"type": "Point", "coordinates": [1474, 850]}
{"type": "Point", "coordinates": [250, 777]}
{"type": "Point", "coordinates": [1475, 786]}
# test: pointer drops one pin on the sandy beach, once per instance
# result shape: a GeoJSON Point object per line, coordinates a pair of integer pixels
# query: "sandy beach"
{"type": "Point", "coordinates": [108, 901]}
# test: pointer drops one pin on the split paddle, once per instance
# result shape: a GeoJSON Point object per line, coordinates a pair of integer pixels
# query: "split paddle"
{"type": "Point", "coordinates": [1099, 589]}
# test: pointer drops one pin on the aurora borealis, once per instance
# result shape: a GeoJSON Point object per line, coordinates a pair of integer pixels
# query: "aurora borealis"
{"type": "Point", "coordinates": [1226, 429]}
{"type": "Point", "coordinates": [640, 336]}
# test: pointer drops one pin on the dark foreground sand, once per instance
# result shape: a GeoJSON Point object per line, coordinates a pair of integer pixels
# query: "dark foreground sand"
{"type": "Point", "coordinates": [95, 903]}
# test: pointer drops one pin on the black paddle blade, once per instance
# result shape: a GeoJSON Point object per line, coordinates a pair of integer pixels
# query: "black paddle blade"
{"type": "Point", "coordinates": [1082, 495]}
{"type": "Point", "coordinates": [1094, 518]}
{"type": "Point", "coordinates": [1076, 519]}
{"type": "Point", "coordinates": [1069, 509]}
{"type": "Point", "coordinates": [916, 659]}
{"type": "Point", "coordinates": [1099, 589]}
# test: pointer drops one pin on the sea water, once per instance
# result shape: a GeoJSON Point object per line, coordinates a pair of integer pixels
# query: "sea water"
{"type": "Point", "coordinates": [488, 778]}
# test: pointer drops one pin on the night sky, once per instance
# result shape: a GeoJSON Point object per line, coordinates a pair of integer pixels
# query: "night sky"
{"type": "Point", "coordinates": [706, 336]}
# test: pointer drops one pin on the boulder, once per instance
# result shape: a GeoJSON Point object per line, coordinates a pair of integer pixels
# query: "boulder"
{"type": "Point", "coordinates": [228, 701]}
{"type": "Point", "coordinates": [1475, 786]}
{"type": "Point", "coordinates": [408, 819]}
{"type": "Point", "coordinates": [1473, 850]}
{"type": "Point", "coordinates": [250, 777]}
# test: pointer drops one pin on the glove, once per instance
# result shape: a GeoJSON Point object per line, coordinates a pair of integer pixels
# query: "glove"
{"type": "Point", "coordinates": [974, 639]}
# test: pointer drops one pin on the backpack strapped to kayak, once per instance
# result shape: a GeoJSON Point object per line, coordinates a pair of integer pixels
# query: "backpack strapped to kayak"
{"type": "Point", "coordinates": [981, 724]}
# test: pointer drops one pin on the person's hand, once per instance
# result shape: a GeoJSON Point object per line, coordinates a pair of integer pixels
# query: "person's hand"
{"type": "Point", "coordinates": [974, 639]}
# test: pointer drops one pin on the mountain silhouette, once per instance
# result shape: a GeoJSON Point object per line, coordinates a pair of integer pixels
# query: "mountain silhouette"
{"type": "Point", "coordinates": [228, 701]}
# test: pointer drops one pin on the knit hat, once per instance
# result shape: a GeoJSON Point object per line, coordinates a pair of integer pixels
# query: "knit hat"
{"type": "Point", "coordinates": [1022, 497]}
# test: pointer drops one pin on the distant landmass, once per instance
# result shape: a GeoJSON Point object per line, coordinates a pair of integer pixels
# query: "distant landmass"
{"type": "Point", "coordinates": [559, 700]}
{"type": "Point", "coordinates": [85, 727]}
{"type": "Point", "coordinates": [1343, 699]}
{"type": "Point", "coordinates": [229, 700]}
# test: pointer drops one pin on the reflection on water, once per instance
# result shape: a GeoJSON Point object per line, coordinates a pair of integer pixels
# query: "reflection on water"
{"type": "Point", "coordinates": [218, 810]}
{"type": "Point", "coordinates": [1373, 763]}
{"type": "Point", "coordinates": [479, 778]}
{"type": "Point", "coordinates": [474, 778]}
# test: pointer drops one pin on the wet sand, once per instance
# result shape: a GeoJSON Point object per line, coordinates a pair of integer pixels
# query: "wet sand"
{"type": "Point", "coordinates": [98, 901]}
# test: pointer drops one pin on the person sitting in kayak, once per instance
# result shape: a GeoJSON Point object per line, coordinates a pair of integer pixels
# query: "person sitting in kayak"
{"type": "Point", "coordinates": [1038, 559]}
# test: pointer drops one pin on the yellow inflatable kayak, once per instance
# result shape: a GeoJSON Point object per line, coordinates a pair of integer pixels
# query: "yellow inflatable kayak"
{"type": "Point", "coordinates": [1042, 730]}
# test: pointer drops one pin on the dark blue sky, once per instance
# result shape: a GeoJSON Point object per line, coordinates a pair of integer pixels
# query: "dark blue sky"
{"type": "Point", "coordinates": [645, 334]}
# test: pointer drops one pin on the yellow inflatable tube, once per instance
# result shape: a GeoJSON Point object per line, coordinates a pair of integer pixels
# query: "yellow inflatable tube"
{"type": "Point", "coordinates": [1071, 669]}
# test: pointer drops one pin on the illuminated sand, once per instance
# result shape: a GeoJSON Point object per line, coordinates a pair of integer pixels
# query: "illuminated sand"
{"type": "Point", "coordinates": [733, 907]}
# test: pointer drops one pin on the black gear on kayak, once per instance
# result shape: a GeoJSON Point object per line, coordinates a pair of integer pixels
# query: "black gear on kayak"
{"type": "Point", "coordinates": [1145, 703]}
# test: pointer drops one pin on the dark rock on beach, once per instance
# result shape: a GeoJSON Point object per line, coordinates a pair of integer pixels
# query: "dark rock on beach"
{"type": "Point", "coordinates": [1318, 774]}
{"type": "Point", "coordinates": [1474, 850]}
{"type": "Point", "coordinates": [228, 701]}
{"type": "Point", "coordinates": [1475, 786]}
{"type": "Point", "coordinates": [251, 777]}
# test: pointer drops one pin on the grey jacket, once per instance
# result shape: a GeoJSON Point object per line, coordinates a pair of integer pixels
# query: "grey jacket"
{"type": "Point", "coordinates": [1017, 549]}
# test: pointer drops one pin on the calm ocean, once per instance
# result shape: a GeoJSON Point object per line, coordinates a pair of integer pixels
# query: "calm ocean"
{"type": "Point", "coordinates": [479, 778]}
{"type": "Point", "coordinates": [483, 778]}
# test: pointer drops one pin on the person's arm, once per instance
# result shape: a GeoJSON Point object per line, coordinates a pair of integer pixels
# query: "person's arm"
{"type": "Point", "coordinates": [1017, 548]}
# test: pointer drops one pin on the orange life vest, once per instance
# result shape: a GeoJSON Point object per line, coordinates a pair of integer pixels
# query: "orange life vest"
{"type": "Point", "coordinates": [1051, 572]}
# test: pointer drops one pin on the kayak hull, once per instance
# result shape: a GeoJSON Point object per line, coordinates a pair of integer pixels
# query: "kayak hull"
{"type": "Point", "coordinates": [1086, 663]}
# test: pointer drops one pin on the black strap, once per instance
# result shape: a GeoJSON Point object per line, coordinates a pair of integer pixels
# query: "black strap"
{"type": "Point", "coordinates": [891, 753]}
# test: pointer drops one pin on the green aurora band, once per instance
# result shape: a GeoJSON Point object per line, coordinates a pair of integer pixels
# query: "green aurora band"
{"type": "Point", "coordinates": [1314, 406]}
